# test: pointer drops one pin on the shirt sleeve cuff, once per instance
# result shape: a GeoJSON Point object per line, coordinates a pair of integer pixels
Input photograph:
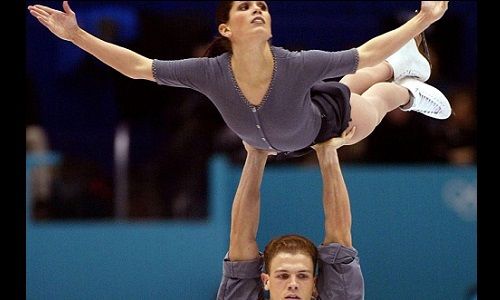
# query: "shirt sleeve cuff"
{"type": "Point", "coordinates": [356, 60]}
{"type": "Point", "coordinates": [336, 253]}
{"type": "Point", "coordinates": [154, 70]}
{"type": "Point", "coordinates": [244, 269]}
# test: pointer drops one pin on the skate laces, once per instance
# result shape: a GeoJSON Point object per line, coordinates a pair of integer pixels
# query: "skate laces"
{"type": "Point", "coordinates": [425, 104]}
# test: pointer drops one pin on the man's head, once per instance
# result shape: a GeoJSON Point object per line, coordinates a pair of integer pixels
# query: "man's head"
{"type": "Point", "coordinates": [290, 263]}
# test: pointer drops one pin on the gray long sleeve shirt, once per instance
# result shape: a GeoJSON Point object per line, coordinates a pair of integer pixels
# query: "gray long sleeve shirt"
{"type": "Point", "coordinates": [286, 119]}
{"type": "Point", "coordinates": [339, 276]}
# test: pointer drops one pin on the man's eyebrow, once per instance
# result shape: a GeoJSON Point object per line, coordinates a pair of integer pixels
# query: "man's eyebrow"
{"type": "Point", "coordinates": [285, 271]}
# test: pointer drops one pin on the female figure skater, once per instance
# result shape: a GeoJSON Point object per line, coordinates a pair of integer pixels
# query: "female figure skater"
{"type": "Point", "coordinates": [275, 99]}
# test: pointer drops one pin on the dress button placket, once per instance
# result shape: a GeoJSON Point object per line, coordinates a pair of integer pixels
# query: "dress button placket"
{"type": "Point", "coordinates": [257, 121]}
{"type": "Point", "coordinates": [264, 99]}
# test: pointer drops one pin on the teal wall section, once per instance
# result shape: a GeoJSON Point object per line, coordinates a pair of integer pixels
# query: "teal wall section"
{"type": "Point", "coordinates": [414, 226]}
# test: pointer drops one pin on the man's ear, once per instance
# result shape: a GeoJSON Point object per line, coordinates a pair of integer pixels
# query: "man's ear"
{"type": "Point", "coordinates": [224, 30]}
{"type": "Point", "coordinates": [265, 280]}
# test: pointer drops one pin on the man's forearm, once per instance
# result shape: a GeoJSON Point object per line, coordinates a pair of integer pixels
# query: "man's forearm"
{"type": "Point", "coordinates": [246, 209]}
{"type": "Point", "coordinates": [335, 199]}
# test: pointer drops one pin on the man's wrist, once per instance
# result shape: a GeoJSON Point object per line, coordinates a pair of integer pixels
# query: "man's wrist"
{"type": "Point", "coordinates": [327, 155]}
{"type": "Point", "coordinates": [326, 151]}
{"type": "Point", "coordinates": [259, 155]}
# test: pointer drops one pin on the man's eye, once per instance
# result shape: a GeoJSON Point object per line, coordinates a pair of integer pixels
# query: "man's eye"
{"type": "Point", "coordinates": [244, 6]}
{"type": "Point", "coordinates": [283, 276]}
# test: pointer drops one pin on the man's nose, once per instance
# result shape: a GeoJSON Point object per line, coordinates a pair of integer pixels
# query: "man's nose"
{"type": "Point", "coordinates": [292, 284]}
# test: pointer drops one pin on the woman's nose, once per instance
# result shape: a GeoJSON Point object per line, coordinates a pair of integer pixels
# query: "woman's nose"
{"type": "Point", "coordinates": [256, 10]}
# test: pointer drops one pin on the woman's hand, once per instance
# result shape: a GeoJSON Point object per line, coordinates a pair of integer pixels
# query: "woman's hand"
{"type": "Point", "coordinates": [433, 10]}
{"type": "Point", "coordinates": [62, 24]}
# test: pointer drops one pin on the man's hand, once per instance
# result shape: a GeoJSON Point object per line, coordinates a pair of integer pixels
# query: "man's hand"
{"type": "Point", "coordinates": [336, 142]}
{"type": "Point", "coordinates": [251, 149]}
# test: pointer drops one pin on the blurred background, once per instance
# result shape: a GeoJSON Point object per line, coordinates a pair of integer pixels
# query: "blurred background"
{"type": "Point", "coordinates": [135, 178]}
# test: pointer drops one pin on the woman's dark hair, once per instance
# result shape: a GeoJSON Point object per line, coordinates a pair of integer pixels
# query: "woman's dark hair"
{"type": "Point", "coordinates": [220, 44]}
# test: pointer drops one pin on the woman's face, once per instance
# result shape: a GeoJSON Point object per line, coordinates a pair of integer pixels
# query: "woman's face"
{"type": "Point", "coordinates": [248, 20]}
{"type": "Point", "coordinates": [291, 275]}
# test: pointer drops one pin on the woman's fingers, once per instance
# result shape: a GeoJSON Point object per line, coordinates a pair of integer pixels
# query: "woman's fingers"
{"type": "Point", "coordinates": [40, 12]}
{"type": "Point", "coordinates": [46, 8]}
{"type": "Point", "coordinates": [66, 7]}
{"type": "Point", "coordinates": [44, 21]}
{"type": "Point", "coordinates": [43, 18]}
{"type": "Point", "coordinates": [37, 14]}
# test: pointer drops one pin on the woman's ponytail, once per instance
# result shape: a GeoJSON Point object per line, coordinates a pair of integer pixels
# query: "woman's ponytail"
{"type": "Point", "coordinates": [218, 46]}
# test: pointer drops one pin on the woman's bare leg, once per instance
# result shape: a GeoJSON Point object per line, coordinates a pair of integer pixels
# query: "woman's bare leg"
{"type": "Point", "coordinates": [364, 78]}
{"type": "Point", "coordinates": [368, 109]}
{"type": "Point", "coordinates": [372, 97]}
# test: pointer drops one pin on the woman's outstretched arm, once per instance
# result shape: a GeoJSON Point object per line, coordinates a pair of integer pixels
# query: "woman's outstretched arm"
{"type": "Point", "coordinates": [65, 26]}
{"type": "Point", "coordinates": [380, 47]}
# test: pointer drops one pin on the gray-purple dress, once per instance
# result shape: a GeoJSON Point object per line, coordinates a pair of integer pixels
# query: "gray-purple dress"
{"type": "Point", "coordinates": [286, 119]}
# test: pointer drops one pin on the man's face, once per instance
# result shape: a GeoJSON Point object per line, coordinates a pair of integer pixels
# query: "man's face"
{"type": "Point", "coordinates": [291, 276]}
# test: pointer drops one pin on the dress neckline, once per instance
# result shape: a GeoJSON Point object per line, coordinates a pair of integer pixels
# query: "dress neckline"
{"type": "Point", "coordinates": [237, 87]}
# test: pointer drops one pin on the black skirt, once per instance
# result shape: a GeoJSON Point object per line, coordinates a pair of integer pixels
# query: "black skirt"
{"type": "Point", "coordinates": [332, 98]}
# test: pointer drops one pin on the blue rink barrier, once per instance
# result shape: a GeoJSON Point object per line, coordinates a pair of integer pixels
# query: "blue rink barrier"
{"type": "Point", "coordinates": [414, 227]}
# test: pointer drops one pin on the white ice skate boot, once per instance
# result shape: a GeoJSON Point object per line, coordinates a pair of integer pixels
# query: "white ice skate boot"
{"type": "Point", "coordinates": [425, 99]}
{"type": "Point", "coordinates": [409, 62]}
